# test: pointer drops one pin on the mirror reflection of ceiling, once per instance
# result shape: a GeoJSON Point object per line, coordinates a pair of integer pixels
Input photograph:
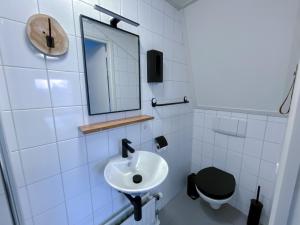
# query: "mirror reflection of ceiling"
{"type": "Point", "coordinates": [180, 4]}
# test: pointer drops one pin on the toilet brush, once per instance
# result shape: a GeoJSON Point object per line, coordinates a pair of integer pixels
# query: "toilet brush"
{"type": "Point", "coordinates": [255, 210]}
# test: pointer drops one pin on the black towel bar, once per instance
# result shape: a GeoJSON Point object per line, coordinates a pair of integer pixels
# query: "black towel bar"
{"type": "Point", "coordinates": [154, 102]}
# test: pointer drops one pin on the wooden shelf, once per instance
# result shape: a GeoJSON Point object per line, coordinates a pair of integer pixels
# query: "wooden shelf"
{"type": "Point", "coordinates": [90, 128]}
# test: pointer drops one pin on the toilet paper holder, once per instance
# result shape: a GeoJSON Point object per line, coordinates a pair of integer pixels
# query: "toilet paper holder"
{"type": "Point", "coordinates": [161, 142]}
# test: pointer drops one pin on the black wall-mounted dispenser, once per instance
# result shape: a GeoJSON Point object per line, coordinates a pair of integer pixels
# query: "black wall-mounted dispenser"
{"type": "Point", "coordinates": [154, 66]}
{"type": "Point", "coordinates": [161, 142]}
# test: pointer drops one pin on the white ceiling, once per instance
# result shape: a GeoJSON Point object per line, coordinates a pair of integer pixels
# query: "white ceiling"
{"type": "Point", "coordinates": [180, 4]}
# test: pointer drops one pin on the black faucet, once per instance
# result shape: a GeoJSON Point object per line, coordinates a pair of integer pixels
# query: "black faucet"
{"type": "Point", "coordinates": [126, 147]}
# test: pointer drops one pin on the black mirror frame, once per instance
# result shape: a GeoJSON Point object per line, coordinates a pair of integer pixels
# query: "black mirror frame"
{"type": "Point", "coordinates": [81, 17]}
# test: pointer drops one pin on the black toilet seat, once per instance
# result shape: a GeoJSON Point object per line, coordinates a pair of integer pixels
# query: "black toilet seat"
{"type": "Point", "coordinates": [215, 183]}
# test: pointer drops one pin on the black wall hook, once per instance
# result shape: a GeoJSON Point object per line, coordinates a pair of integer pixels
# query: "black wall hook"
{"type": "Point", "coordinates": [49, 38]}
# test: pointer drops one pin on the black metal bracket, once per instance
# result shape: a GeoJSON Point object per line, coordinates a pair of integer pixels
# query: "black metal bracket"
{"type": "Point", "coordinates": [154, 102]}
{"type": "Point", "coordinates": [137, 206]}
{"type": "Point", "coordinates": [114, 22]}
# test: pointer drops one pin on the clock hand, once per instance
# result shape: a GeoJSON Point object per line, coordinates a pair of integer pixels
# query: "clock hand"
{"type": "Point", "coordinates": [49, 38]}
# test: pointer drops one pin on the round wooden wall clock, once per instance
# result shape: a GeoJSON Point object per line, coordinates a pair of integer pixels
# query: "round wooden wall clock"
{"type": "Point", "coordinates": [47, 35]}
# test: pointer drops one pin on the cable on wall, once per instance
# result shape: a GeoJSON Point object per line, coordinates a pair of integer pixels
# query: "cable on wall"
{"type": "Point", "coordinates": [290, 93]}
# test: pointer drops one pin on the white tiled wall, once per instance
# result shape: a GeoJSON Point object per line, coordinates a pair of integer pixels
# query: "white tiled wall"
{"type": "Point", "coordinates": [253, 160]}
{"type": "Point", "coordinates": [59, 172]}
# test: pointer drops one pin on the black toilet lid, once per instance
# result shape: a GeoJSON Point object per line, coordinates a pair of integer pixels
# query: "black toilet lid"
{"type": "Point", "coordinates": [215, 183]}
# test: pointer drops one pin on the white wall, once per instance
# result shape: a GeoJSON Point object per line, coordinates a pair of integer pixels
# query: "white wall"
{"type": "Point", "coordinates": [59, 172]}
{"type": "Point", "coordinates": [241, 52]}
{"type": "Point", "coordinates": [252, 160]}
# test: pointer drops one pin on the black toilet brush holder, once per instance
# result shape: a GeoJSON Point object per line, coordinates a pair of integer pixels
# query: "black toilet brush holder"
{"type": "Point", "coordinates": [255, 210]}
{"type": "Point", "coordinates": [191, 187]}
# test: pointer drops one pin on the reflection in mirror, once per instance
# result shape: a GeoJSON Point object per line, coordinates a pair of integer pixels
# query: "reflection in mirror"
{"type": "Point", "coordinates": [111, 67]}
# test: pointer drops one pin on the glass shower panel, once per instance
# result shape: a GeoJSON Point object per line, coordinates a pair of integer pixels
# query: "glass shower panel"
{"type": "Point", "coordinates": [5, 213]}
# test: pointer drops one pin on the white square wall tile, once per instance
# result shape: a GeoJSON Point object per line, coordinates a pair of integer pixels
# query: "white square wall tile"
{"type": "Point", "coordinates": [66, 62]}
{"type": "Point", "coordinates": [146, 131]}
{"type": "Point", "coordinates": [239, 115]}
{"type": "Point", "coordinates": [253, 147]}
{"type": "Point", "coordinates": [61, 10]}
{"type": "Point", "coordinates": [209, 121]}
{"type": "Point", "coordinates": [271, 152]}
{"type": "Point", "coordinates": [219, 158]}
{"type": "Point", "coordinates": [81, 7]}
{"type": "Point", "coordinates": [156, 21]}
{"type": "Point", "coordinates": [251, 165]}
{"type": "Point", "coordinates": [76, 181]}
{"type": "Point", "coordinates": [198, 132]}
{"type": "Point", "coordinates": [144, 11]}
{"type": "Point", "coordinates": [234, 160]}
{"type": "Point", "coordinates": [102, 192]}
{"type": "Point", "coordinates": [28, 88]}
{"type": "Point", "coordinates": [4, 100]}
{"type": "Point", "coordinates": [65, 88]}
{"type": "Point", "coordinates": [199, 119]}
{"type": "Point", "coordinates": [248, 181]}
{"type": "Point", "coordinates": [9, 131]}
{"type": "Point", "coordinates": [24, 203]}
{"type": "Point", "coordinates": [236, 143]}
{"type": "Point", "coordinates": [10, 9]}
{"type": "Point", "coordinates": [221, 140]}
{"type": "Point", "coordinates": [268, 171]}
{"type": "Point", "coordinates": [83, 89]}
{"type": "Point", "coordinates": [209, 136]}
{"type": "Point", "coordinates": [72, 153]}
{"type": "Point", "coordinates": [275, 132]}
{"type": "Point", "coordinates": [11, 33]}
{"type": "Point", "coordinates": [97, 146]}
{"type": "Point", "coordinates": [34, 127]}
{"type": "Point", "coordinates": [206, 161]}
{"type": "Point", "coordinates": [242, 128]}
{"type": "Point", "coordinates": [102, 215]}
{"type": "Point", "coordinates": [96, 170]}
{"type": "Point", "coordinates": [207, 149]}
{"type": "Point", "coordinates": [17, 168]}
{"type": "Point", "coordinates": [115, 138]}
{"type": "Point", "coordinates": [79, 208]}
{"type": "Point", "coordinates": [40, 162]}
{"type": "Point", "coordinates": [267, 188]}
{"type": "Point", "coordinates": [133, 133]}
{"type": "Point", "coordinates": [112, 5]}
{"type": "Point", "coordinates": [256, 129]}
{"type": "Point", "coordinates": [67, 122]}
{"type": "Point", "coordinates": [46, 194]}
{"type": "Point", "coordinates": [130, 9]}
{"type": "Point", "coordinates": [80, 55]}
{"type": "Point", "coordinates": [257, 117]}
{"type": "Point", "coordinates": [277, 119]}
{"type": "Point", "coordinates": [57, 216]}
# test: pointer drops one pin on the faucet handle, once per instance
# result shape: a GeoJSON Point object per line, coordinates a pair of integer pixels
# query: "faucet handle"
{"type": "Point", "coordinates": [125, 140]}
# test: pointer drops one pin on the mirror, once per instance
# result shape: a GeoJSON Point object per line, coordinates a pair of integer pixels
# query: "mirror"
{"type": "Point", "coordinates": [112, 67]}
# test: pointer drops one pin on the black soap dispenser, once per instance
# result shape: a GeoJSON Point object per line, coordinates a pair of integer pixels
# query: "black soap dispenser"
{"type": "Point", "coordinates": [154, 66]}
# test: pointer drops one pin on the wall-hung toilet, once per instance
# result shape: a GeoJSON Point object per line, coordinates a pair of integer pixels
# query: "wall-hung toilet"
{"type": "Point", "coordinates": [215, 186]}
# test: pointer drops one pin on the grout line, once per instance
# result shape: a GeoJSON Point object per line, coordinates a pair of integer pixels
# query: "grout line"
{"type": "Point", "coordinates": [56, 139]}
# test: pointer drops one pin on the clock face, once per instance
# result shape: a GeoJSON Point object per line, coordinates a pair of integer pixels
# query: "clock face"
{"type": "Point", "coordinates": [46, 34]}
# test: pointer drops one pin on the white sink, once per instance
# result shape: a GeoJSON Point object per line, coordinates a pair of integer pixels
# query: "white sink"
{"type": "Point", "coordinates": [152, 168]}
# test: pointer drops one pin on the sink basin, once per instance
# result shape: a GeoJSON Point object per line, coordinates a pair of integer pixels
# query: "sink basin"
{"type": "Point", "coordinates": [139, 174]}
